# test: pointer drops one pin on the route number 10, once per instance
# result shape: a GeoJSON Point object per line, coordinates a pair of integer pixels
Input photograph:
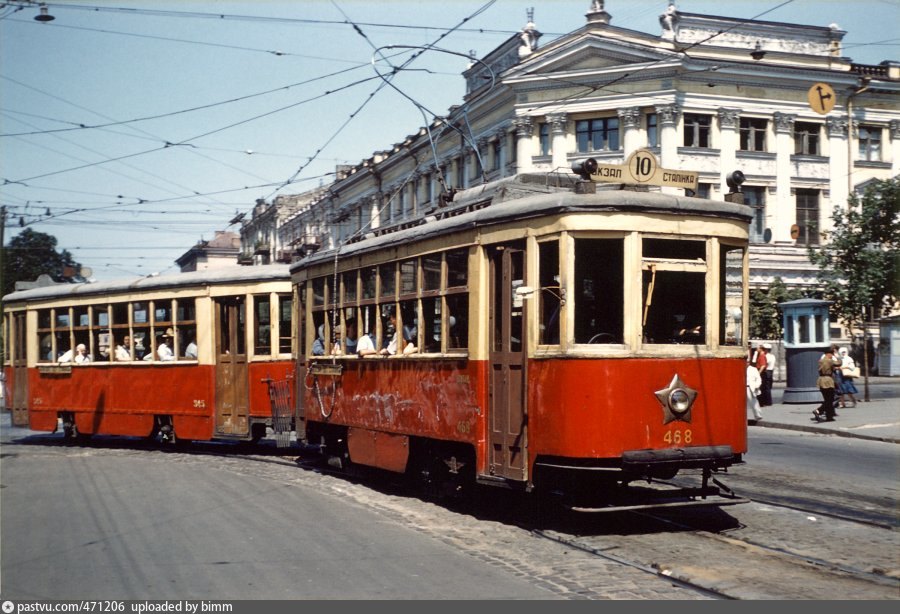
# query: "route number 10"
{"type": "Point", "coordinates": [642, 166]}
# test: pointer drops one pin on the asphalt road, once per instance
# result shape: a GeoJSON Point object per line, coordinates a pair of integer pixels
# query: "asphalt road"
{"type": "Point", "coordinates": [95, 523]}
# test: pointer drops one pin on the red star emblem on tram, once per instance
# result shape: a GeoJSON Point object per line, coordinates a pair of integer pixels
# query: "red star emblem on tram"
{"type": "Point", "coordinates": [676, 400]}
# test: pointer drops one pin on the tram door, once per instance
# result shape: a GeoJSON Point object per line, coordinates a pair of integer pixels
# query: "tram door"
{"type": "Point", "coordinates": [508, 450]}
{"type": "Point", "coordinates": [20, 372]}
{"type": "Point", "coordinates": [232, 374]}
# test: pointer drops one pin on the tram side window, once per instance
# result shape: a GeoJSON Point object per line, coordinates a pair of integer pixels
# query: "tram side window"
{"type": "Point", "coordinates": [457, 299]}
{"type": "Point", "coordinates": [457, 322]}
{"type": "Point", "coordinates": [674, 291]}
{"type": "Point", "coordinates": [62, 333]}
{"type": "Point", "coordinates": [121, 330]}
{"type": "Point", "coordinates": [390, 322]}
{"type": "Point", "coordinates": [408, 341]}
{"type": "Point", "coordinates": [731, 295]}
{"type": "Point", "coordinates": [367, 325]}
{"type": "Point", "coordinates": [318, 344]}
{"type": "Point", "coordinates": [285, 307]}
{"type": "Point", "coordinates": [388, 275]}
{"type": "Point", "coordinates": [599, 290]}
{"type": "Point", "coordinates": [431, 272]}
{"type": "Point", "coordinates": [408, 278]}
{"type": "Point", "coordinates": [82, 329]}
{"type": "Point", "coordinates": [262, 329]}
{"type": "Point", "coordinates": [186, 327]}
{"type": "Point", "coordinates": [101, 333]}
{"type": "Point", "coordinates": [431, 325]}
{"type": "Point", "coordinates": [550, 292]}
{"type": "Point", "coordinates": [350, 293]}
{"type": "Point", "coordinates": [45, 336]}
{"type": "Point", "coordinates": [140, 337]}
{"type": "Point", "coordinates": [369, 276]}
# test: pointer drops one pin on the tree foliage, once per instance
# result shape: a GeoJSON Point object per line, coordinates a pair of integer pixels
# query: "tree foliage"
{"type": "Point", "coordinates": [765, 317]}
{"type": "Point", "coordinates": [859, 265]}
{"type": "Point", "coordinates": [31, 254]}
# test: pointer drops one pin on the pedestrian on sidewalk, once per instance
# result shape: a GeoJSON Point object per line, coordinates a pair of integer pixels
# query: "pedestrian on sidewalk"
{"type": "Point", "coordinates": [848, 371]}
{"type": "Point", "coordinates": [828, 363]}
{"type": "Point", "coordinates": [760, 360]}
{"type": "Point", "coordinates": [754, 382]}
{"type": "Point", "coordinates": [768, 375]}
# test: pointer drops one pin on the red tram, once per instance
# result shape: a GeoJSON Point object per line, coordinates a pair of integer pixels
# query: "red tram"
{"type": "Point", "coordinates": [182, 357]}
{"type": "Point", "coordinates": [533, 336]}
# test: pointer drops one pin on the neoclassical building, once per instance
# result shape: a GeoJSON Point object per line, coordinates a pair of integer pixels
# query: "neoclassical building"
{"type": "Point", "coordinates": [779, 102]}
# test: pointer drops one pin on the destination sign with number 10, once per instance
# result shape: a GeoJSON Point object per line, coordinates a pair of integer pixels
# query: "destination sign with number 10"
{"type": "Point", "coordinates": [642, 168]}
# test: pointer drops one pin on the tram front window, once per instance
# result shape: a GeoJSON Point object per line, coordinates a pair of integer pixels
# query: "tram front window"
{"type": "Point", "coordinates": [674, 291]}
{"type": "Point", "coordinates": [599, 290]}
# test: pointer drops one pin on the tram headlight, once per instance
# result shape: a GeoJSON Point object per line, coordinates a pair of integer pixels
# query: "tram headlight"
{"type": "Point", "coordinates": [679, 401]}
{"type": "Point", "coordinates": [584, 168]}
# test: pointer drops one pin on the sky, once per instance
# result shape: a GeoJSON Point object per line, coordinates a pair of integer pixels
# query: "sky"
{"type": "Point", "coordinates": [131, 130]}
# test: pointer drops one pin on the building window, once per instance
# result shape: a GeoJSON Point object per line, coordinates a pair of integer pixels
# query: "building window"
{"type": "Point", "coordinates": [753, 134]}
{"type": "Point", "coordinates": [755, 198]}
{"type": "Point", "coordinates": [870, 143]}
{"type": "Point", "coordinates": [703, 190]}
{"type": "Point", "coordinates": [806, 138]}
{"type": "Point", "coordinates": [495, 159]}
{"type": "Point", "coordinates": [597, 134]}
{"type": "Point", "coordinates": [696, 130]}
{"type": "Point", "coordinates": [544, 131]}
{"type": "Point", "coordinates": [808, 217]}
{"type": "Point", "coordinates": [652, 130]}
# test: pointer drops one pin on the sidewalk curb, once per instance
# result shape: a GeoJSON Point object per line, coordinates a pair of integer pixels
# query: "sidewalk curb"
{"type": "Point", "coordinates": [821, 431]}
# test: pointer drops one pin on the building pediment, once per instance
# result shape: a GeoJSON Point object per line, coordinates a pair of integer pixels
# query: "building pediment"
{"type": "Point", "coordinates": [587, 55]}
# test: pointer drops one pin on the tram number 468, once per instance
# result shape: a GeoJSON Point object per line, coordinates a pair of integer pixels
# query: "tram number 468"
{"type": "Point", "coordinates": [678, 437]}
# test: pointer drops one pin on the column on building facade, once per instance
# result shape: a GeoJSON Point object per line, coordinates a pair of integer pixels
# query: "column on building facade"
{"type": "Point", "coordinates": [454, 172]}
{"type": "Point", "coordinates": [630, 121]}
{"type": "Point", "coordinates": [436, 187]}
{"type": "Point", "coordinates": [374, 211]}
{"type": "Point", "coordinates": [413, 200]}
{"type": "Point", "coordinates": [782, 214]}
{"type": "Point", "coordinates": [894, 131]}
{"type": "Point", "coordinates": [667, 116]}
{"type": "Point", "coordinates": [466, 161]}
{"type": "Point", "coordinates": [729, 142]}
{"type": "Point", "coordinates": [558, 145]}
{"type": "Point", "coordinates": [524, 145]}
{"type": "Point", "coordinates": [838, 166]}
{"type": "Point", "coordinates": [502, 137]}
{"type": "Point", "coordinates": [484, 150]}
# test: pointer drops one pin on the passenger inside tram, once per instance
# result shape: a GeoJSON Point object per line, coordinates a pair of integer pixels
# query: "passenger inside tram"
{"type": "Point", "coordinates": [123, 351]}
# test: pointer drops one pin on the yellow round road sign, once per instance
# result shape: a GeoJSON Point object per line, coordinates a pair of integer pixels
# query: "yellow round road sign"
{"type": "Point", "coordinates": [642, 166]}
{"type": "Point", "coordinates": [821, 98]}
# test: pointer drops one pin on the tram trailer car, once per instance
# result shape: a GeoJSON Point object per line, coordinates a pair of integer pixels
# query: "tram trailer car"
{"type": "Point", "coordinates": [231, 335]}
{"type": "Point", "coordinates": [534, 337]}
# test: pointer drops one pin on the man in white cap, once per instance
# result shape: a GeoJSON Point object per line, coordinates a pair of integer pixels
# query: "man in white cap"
{"type": "Point", "coordinates": [164, 349]}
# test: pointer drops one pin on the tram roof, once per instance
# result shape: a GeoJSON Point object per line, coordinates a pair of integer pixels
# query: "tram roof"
{"type": "Point", "coordinates": [208, 277]}
{"type": "Point", "coordinates": [527, 196]}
